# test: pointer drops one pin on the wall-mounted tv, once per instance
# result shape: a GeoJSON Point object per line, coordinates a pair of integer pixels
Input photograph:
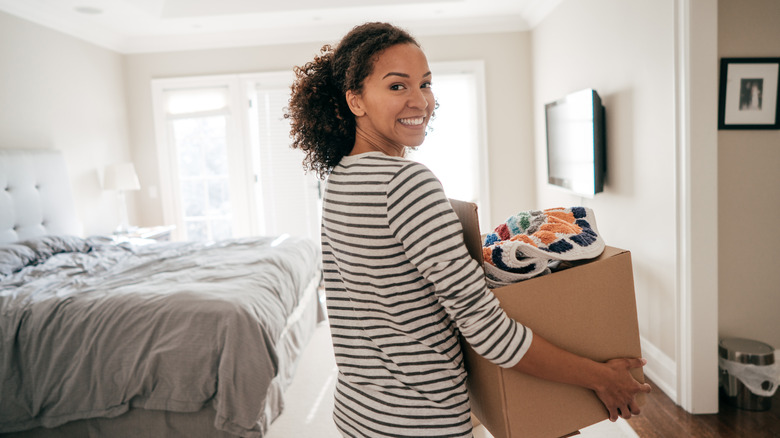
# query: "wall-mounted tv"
{"type": "Point", "coordinates": [576, 143]}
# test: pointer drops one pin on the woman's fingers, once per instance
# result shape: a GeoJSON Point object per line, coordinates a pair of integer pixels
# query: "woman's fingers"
{"type": "Point", "coordinates": [619, 397]}
{"type": "Point", "coordinates": [614, 414]}
{"type": "Point", "coordinates": [625, 411]}
{"type": "Point", "coordinates": [633, 408]}
{"type": "Point", "coordinates": [633, 362]}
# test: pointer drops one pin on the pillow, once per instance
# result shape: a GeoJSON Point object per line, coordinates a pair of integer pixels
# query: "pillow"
{"type": "Point", "coordinates": [14, 257]}
{"type": "Point", "coordinates": [47, 246]}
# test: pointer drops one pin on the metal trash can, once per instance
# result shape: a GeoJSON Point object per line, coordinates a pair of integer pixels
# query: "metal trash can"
{"type": "Point", "coordinates": [744, 351]}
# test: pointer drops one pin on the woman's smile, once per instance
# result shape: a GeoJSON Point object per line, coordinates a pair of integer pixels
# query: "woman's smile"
{"type": "Point", "coordinates": [413, 121]}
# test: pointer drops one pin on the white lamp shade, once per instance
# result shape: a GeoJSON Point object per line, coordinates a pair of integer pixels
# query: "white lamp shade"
{"type": "Point", "coordinates": [121, 176]}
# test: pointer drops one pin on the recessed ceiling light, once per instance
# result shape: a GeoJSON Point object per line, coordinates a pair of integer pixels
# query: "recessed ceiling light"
{"type": "Point", "coordinates": [90, 10]}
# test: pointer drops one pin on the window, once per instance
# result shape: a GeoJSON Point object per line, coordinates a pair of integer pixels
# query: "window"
{"type": "Point", "coordinates": [202, 157]}
{"type": "Point", "coordinates": [455, 148]}
{"type": "Point", "coordinates": [227, 169]}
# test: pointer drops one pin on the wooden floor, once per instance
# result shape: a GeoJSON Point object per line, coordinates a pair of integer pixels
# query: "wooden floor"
{"type": "Point", "coordinates": [661, 418]}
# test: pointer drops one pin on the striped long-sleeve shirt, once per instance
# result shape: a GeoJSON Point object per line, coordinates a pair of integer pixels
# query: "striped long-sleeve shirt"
{"type": "Point", "coordinates": [400, 286]}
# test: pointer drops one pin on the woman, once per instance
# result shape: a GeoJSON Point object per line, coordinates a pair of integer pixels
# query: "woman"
{"type": "Point", "coordinates": [400, 284]}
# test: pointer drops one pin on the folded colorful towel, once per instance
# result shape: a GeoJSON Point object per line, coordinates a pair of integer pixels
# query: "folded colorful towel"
{"type": "Point", "coordinates": [524, 246]}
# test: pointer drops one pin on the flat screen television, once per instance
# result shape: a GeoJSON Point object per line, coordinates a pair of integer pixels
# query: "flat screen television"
{"type": "Point", "coordinates": [576, 143]}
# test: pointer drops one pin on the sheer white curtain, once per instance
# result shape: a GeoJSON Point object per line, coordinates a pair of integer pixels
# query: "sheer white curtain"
{"type": "Point", "coordinates": [287, 198]}
{"type": "Point", "coordinates": [455, 149]}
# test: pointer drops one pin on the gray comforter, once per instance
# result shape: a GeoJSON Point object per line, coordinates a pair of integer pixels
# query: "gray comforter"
{"type": "Point", "coordinates": [89, 329]}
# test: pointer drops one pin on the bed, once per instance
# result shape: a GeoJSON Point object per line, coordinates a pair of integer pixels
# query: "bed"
{"type": "Point", "coordinates": [175, 339]}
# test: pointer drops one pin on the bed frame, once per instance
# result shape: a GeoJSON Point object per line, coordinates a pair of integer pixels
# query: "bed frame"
{"type": "Point", "coordinates": [35, 196]}
{"type": "Point", "coordinates": [35, 200]}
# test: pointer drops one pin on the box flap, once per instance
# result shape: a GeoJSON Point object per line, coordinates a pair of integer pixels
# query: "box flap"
{"type": "Point", "coordinates": [467, 213]}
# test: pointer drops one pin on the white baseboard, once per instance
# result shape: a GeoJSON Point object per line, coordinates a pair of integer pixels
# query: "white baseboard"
{"type": "Point", "coordinates": [660, 368]}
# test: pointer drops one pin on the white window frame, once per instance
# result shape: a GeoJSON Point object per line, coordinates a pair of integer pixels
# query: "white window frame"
{"type": "Point", "coordinates": [240, 163]}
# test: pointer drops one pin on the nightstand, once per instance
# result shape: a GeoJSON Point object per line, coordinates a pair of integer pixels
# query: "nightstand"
{"type": "Point", "coordinates": [146, 235]}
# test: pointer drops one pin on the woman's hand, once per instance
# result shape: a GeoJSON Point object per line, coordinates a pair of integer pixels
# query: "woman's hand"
{"type": "Point", "coordinates": [618, 389]}
{"type": "Point", "coordinates": [612, 381]}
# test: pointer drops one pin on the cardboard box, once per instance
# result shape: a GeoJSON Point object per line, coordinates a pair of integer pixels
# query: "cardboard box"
{"type": "Point", "coordinates": [588, 308]}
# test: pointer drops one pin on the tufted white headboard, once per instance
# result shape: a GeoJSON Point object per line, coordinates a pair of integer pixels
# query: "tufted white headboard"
{"type": "Point", "coordinates": [35, 195]}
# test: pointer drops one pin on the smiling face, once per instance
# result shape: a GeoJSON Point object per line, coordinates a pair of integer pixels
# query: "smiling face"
{"type": "Point", "coordinates": [393, 108]}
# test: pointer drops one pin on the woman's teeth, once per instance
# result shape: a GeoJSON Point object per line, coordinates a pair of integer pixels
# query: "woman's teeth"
{"type": "Point", "coordinates": [413, 121]}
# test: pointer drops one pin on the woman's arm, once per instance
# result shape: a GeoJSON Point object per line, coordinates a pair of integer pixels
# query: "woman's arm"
{"type": "Point", "coordinates": [611, 381]}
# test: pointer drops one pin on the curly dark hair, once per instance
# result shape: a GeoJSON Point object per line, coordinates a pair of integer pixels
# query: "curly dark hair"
{"type": "Point", "coordinates": [322, 125]}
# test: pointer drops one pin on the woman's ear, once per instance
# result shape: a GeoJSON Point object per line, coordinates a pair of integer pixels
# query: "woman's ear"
{"type": "Point", "coordinates": [355, 104]}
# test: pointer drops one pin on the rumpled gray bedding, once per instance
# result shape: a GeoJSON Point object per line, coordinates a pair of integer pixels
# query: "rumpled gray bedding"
{"type": "Point", "coordinates": [89, 329]}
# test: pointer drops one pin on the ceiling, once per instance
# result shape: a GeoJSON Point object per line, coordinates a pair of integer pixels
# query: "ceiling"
{"type": "Point", "coordinates": [139, 26]}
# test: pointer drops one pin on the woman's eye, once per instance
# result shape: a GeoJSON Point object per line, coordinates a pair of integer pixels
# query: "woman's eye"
{"type": "Point", "coordinates": [397, 87]}
{"type": "Point", "coordinates": [427, 85]}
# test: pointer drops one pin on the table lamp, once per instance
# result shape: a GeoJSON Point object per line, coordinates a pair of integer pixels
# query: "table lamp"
{"type": "Point", "coordinates": [121, 177]}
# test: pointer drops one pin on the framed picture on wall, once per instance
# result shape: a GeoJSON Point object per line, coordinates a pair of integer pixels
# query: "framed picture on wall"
{"type": "Point", "coordinates": [749, 93]}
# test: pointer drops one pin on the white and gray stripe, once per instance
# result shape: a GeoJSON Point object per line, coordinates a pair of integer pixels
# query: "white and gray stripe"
{"type": "Point", "coordinates": [400, 287]}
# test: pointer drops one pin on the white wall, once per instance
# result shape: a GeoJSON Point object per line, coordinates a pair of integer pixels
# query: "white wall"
{"type": "Point", "coordinates": [625, 51]}
{"type": "Point", "coordinates": [508, 88]}
{"type": "Point", "coordinates": [58, 92]}
{"type": "Point", "coordinates": [749, 190]}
